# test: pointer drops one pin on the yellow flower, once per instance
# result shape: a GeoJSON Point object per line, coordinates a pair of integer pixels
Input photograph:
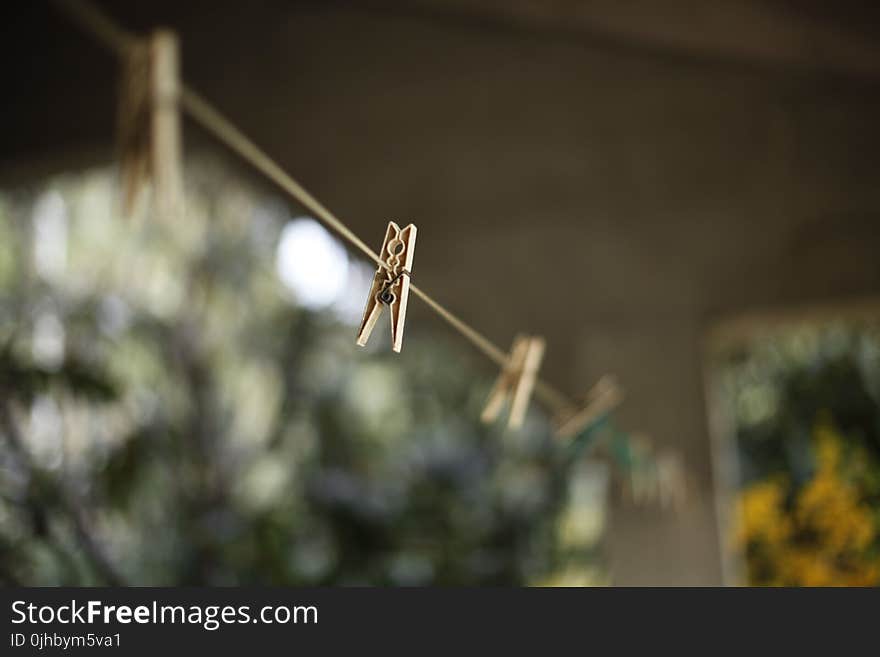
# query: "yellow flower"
{"type": "Point", "coordinates": [830, 505]}
{"type": "Point", "coordinates": [760, 513]}
{"type": "Point", "coordinates": [824, 539]}
{"type": "Point", "coordinates": [827, 446]}
{"type": "Point", "coordinates": [807, 568]}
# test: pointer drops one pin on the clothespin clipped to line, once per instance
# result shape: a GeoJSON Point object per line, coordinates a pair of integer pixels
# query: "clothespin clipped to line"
{"type": "Point", "coordinates": [391, 284]}
{"type": "Point", "coordinates": [516, 381]}
{"type": "Point", "coordinates": [391, 288]}
{"type": "Point", "coordinates": [149, 124]}
{"type": "Point", "coordinates": [601, 399]}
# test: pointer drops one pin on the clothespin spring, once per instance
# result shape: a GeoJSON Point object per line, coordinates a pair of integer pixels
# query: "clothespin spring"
{"type": "Point", "coordinates": [395, 247]}
{"type": "Point", "coordinates": [385, 295]}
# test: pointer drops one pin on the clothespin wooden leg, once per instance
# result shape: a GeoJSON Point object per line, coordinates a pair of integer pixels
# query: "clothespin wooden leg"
{"type": "Point", "coordinates": [391, 284]}
{"type": "Point", "coordinates": [505, 380]}
{"type": "Point", "coordinates": [166, 148]}
{"type": "Point", "coordinates": [149, 124]}
{"type": "Point", "coordinates": [133, 123]}
{"type": "Point", "coordinates": [516, 381]}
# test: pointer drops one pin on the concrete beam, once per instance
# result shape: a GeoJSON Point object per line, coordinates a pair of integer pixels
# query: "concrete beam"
{"type": "Point", "coordinates": [776, 34]}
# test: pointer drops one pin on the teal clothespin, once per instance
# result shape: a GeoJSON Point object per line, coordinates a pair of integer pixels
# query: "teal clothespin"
{"type": "Point", "coordinates": [588, 436]}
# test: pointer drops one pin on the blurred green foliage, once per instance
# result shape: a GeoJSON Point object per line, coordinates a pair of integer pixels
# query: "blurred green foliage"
{"type": "Point", "coordinates": [807, 431]}
{"type": "Point", "coordinates": [781, 384]}
{"type": "Point", "coordinates": [171, 416]}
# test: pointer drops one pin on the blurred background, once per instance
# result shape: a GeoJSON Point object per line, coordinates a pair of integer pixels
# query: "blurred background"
{"type": "Point", "coordinates": [681, 193]}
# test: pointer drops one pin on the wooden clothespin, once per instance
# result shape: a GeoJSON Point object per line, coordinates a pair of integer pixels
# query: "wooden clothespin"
{"type": "Point", "coordinates": [601, 399]}
{"type": "Point", "coordinates": [516, 381]}
{"type": "Point", "coordinates": [391, 284]}
{"type": "Point", "coordinates": [149, 124]}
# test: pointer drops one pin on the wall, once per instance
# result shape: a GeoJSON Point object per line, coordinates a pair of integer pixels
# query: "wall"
{"type": "Point", "coordinates": [611, 198]}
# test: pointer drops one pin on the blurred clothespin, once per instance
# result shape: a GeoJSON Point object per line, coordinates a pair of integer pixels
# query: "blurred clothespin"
{"type": "Point", "coordinates": [391, 284]}
{"type": "Point", "coordinates": [516, 381]}
{"type": "Point", "coordinates": [600, 400]}
{"type": "Point", "coordinates": [655, 476]}
{"type": "Point", "coordinates": [149, 123]}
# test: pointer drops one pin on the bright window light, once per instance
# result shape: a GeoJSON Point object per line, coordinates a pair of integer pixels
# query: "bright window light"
{"type": "Point", "coordinates": [311, 263]}
{"type": "Point", "coordinates": [50, 235]}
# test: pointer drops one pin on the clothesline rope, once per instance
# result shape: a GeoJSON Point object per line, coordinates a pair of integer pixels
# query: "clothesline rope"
{"type": "Point", "coordinates": [119, 40]}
